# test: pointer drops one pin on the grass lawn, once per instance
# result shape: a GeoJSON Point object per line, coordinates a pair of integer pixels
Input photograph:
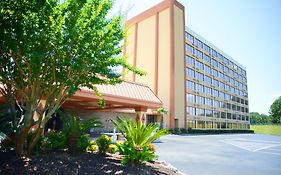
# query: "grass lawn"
{"type": "Point", "coordinates": [267, 129]}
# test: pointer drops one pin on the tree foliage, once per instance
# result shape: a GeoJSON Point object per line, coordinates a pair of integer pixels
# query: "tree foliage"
{"type": "Point", "coordinates": [275, 110]}
{"type": "Point", "coordinates": [48, 50]}
{"type": "Point", "coordinates": [256, 118]}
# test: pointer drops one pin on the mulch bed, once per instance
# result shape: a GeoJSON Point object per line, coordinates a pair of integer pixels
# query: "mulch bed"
{"type": "Point", "coordinates": [60, 163]}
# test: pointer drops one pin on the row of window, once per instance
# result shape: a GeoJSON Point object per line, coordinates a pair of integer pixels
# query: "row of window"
{"type": "Point", "coordinates": [214, 103]}
{"type": "Point", "coordinates": [212, 62]}
{"type": "Point", "coordinates": [214, 53]}
{"type": "Point", "coordinates": [216, 125]}
{"type": "Point", "coordinates": [210, 91]}
{"type": "Point", "coordinates": [215, 73]}
{"type": "Point", "coordinates": [199, 76]}
{"type": "Point", "coordinates": [217, 114]}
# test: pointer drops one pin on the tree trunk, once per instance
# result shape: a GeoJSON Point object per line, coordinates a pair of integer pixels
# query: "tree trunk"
{"type": "Point", "coordinates": [19, 142]}
{"type": "Point", "coordinates": [34, 140]}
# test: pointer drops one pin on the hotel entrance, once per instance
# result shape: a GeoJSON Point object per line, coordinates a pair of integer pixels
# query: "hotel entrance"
{"type": "Point", "coordinates": [155, 118]}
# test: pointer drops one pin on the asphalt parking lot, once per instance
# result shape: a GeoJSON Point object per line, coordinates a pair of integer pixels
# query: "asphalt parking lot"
{"type": "Point", "coordinates": [245, 154]}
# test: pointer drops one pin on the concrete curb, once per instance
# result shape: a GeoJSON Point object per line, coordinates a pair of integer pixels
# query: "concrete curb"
{"type": "Point", "coordinates": [170, 167]}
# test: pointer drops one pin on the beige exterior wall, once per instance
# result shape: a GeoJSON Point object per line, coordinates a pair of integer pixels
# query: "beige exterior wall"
{"type": "Point", "coordinates": [164, 70]}
{"type": "Point", "coordinates": [104, 118]}
{"type": "Point", "coordinates": [179, 66]}
{"type": "Point", "coordinates": [146, 51]}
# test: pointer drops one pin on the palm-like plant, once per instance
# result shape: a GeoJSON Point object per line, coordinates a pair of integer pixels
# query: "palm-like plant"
{"type": "Point", "coordinates": [138, 138]}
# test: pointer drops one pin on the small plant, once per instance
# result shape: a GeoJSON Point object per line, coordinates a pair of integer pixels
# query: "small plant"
{"type": "Point", "coordinates": [103, 142]}
{"type": "Point", "coordinates": [55, 140]}
{"type": "Point", "coordinates": [138, 137]}
{"type": "Point", "coordinates": [112, 148]}
{"type": "Point", "coordinates": [92, 147]}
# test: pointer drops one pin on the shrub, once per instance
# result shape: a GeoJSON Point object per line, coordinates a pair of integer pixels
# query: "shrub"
{"type": "Point", "coordinates": [135, 154]}
{"type": "Point", "coordinates": [138, 137]}
{"type": "Point", "coordinates": [112, 148]}
{"type": "Point", "coordinates": [55, 140]}
{"type": "Point", "coordinates": [83, 143]}
{"type": "Point", "coordinates": [103, 142]}
{"type": "Point", "coordinates": [92, 147]}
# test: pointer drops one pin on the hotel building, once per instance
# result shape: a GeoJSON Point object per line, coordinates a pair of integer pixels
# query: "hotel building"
{"type": "Point", "coordinates": [200, 86]}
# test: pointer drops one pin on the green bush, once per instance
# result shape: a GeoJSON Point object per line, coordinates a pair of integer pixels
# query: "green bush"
{"type": "Point", "coordinates": [134, 154]}
{"type": "Point", "coordinates": [83, 143]}
{"type": "Point", "coordinates": [136, 148]}
{"type": "Point", "coordinates": [218, 131]}
{"type": "Point", "coordinates": [92, 147]}
{"type": "Point", "coordinates": [112, 148]}
{"type": "Point", "coordinates": [55, 140]}
{"type": "Point", "coordinates": [103, 142]}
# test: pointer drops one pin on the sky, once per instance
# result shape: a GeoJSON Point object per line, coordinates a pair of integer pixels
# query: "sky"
{"type": "Point", "coordinates": [247, 30]}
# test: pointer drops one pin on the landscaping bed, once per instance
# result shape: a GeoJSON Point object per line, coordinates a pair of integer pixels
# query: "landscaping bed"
{"type": "Point", "coordinates": [60, 163]}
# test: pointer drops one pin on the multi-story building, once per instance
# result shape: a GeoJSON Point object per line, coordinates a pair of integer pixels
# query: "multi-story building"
{"type": "Point", "coordinates": [216, 84]}
{"type": "Point", "coordinates": [199, 85]}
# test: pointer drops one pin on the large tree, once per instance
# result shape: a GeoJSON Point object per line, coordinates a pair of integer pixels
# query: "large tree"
{"type": "Point", "coordinates": [275, 110]}
{"type": "Point", "coordinates": [48, 50]}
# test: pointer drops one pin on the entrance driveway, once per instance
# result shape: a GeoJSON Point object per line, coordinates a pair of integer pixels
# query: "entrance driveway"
{"type": "Point", "coordinates": [245, 154]}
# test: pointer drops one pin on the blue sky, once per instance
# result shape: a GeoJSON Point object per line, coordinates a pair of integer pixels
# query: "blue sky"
{"type": "Point", "coordinates": [249, 31]}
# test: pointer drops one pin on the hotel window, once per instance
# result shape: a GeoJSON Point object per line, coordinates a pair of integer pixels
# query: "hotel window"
{"type": "Point", "coordinates": [238, 100]}
{"type": "Point", "coordinates": [235, 67]}
{"type": "Point", "coordinates": [227, 97]}
{"type": "Point", "coordinates": [208, 101]}
{"type": "Point", "coordinates": [199, 76]}
{"type": "Point", "coordinates": [223, 115]}
{"type": "Point", "coordinates": [208, 79]}
{"type": "Point", "coordinates": [198, 54]}
{"type": "Point", "coordinates": [209, 113]}
{"type": "Point", "coordinates": [236, 91]}
{"type": "Point", "coordinates": [191, 98]}
{"type": "Point", "coordinates": [190, 49]}
{"type": "Point", "coordinates": [190, 60]}
{"type": "Point", "coordinates": [236, 83]}
{"type": "Point", "coordinates": [190, 38]}
{"type": "Point", "coordinates": [225, 69]}
{"type": "Point", "coordinates": [208, 90]}
{"type": "Point", "coordinates": [230, 72]}
{"type": "Point", "coordinates": [216, 103]}
{"type": "Point", "coordinates": [234, 116]}
{"type": "Point", "coordinates": [228, 115]}
{"type": "Point", "coordinates": [214, 53]}
{"type": "Point", "coordinates": [242, 109]}
{"type": "Point", "coordinates": [220, 66]}
{"type": "Point", "coordinates": [215, 82]}
{"type": "Point", "coordinates": [244, 79]}
{"type": "Point", "coordinates": [221, 75]}
{"type": "Point", "coordinates": [214, 72]}
{"type": "Point", "coordinates": [235, 75]}
{"type": "Point", "coordinates": [220, 57]}
{"type": "Point", "coordinates": [221, 85]}
{"type": "Point", "coordinates": [215, 93]}
{"type": "Point", "coordinates": [199, 65]}
{"type": "Point", "coordinates": [207, 48]}
{"type": "Point", "coordinates": [226, 78]}
{"type": "Point", "coordinates": [246, 110]}
{"type": "Point", "coordinates": [234, 107]}
{"type": "Point", "coordinates": [191, 111]}
{"type": "Point", "coordinates": [231, 64]}
{"type": "Point", "coordinates": [207, 69]}
{"type": "Point", "coordinates": [199, 87]}
{"type": "Point", "coordinates": [200, 100]}
{"type": "Point", "coordinates": [228, 106]}
{"type": "Point", "coordinates": [198, 43]}
{"type": "Point", "coordinates": [242, 101]}
{"type": "Point", "coordinates": [226, 87]}
{"type": "Point", "coordinates": [216, 114]}
{"type": "Point", "coordinates": [190, 72]}
{"type": "Point", "coordinates": [231, 80]}
{"type": "Point", "coordinates": [231, 89]}
{"type": "Point", "coordinates": [221, 95]}
{"type": "Point", "coordinates": [191, 85]}
{"type": "Point", "coordinates": [225, 60]}
{"type": "Point", "coordinates": [207, 58]}
{"type": "Point", "coordinates": [200, 112]}
{"type": "Point", "coordinates": [246, 102]}
{"type": "Point", "coordinates": [222, 104]}
{"type": "Point", "coordinates": [214, 63]}
{"type": "Point", "coordinates": [238, 108]}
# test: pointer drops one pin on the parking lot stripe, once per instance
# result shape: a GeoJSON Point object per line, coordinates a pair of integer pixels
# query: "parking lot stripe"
{"type": "Point", "coordinates": [266, 147]}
